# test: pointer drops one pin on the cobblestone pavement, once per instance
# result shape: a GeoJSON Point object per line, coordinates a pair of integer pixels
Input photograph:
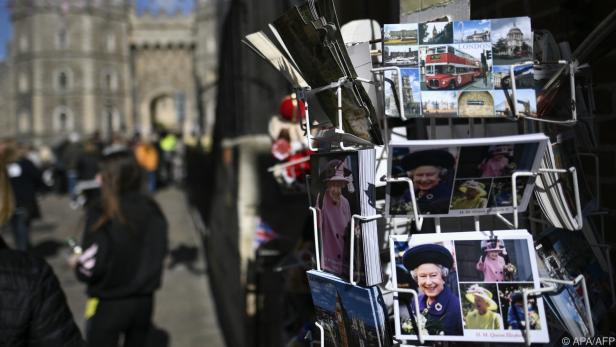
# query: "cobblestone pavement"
{"type": "Point", "coordinates": [185, 315]}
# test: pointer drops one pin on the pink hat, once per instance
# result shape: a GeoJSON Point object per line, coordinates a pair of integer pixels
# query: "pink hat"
{"type": "Point", "coordinates": [493, 245]}
{"type": "Point", "coordinates": [335, 171]}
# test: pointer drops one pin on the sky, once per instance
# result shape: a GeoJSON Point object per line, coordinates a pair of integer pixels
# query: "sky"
{"type": "Point", "coordinates": [154, 6]}
{"type": "Point", "coordinates": [5, 28]}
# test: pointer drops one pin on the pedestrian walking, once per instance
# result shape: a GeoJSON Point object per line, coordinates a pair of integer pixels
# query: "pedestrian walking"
{"type": "Point", "coordinates": [147, 157]}
{"type": "Point", "coordinates": [26, 180]}
{"type": "Point", "coordinates": [124, 244]}
{"type": "Point", "coordinates": [70, 155]}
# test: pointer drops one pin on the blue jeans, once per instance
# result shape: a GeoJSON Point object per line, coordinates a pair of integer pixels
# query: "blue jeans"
{"type": "Point", "coordinates": [20, 223]}
{"type": "Point", "coordinates": [151, 180]}
{"type": "Point", "coordinates": [71, 182]}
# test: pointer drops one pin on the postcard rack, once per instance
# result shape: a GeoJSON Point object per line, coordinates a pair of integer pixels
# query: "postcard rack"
{"type": "Point", "coordinates": [418, 218]}
{"type": "Point", "coordinates": [381, 70]}
{"type": "Point", "coordinates": [571, 67]}
{"type": "Point", "coordinates": [549, 285]}
{"type": "Point", "coordinates": [302, 93]}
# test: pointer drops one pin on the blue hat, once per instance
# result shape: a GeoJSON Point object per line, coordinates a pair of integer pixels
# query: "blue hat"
{"type": "Point", "coordinates": [516, 296]}
{"type": "Point", "coordinates": [433, 157]}
{"type": "Point", "coordinates": [427, 253]}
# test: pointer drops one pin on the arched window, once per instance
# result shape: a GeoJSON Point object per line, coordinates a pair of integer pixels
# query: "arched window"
{"type": "Point", "coordinates": [62, 38]}
{"type": "Point", "coordinates": [63, 79]}
{"type": "Point", "coordinates": [111, 120]}
{"type": "Point", "coordinates": [110, 42]}
{"type": "Point", "coordinates": [23, 43]}
{"type": "Point", "coordinates": [24, 123]}
{"type": "Point", "coordinates": [23, 84]}
{"type": "Point", "coordinates": [63, 119]}
{"type": "Point", "coordinates": [110, 80]}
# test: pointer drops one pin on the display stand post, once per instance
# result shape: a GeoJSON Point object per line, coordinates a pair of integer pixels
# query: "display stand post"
{"type": "Point", "coordinates": [339, 127]}
{"type": "Point", "coordinates": [477, 225]}
{"type": "Point", "coordinates": [400, 94]}
{"type": "Point", "coordinates": [579, 217]}
{"type": "Point", "coordinates": [576, 191]}
{"type": "Point", "coordinates": [417, 218]}
{"type": "Point", "coordinates": [308, 123]}
{"type": "Point", "coordinates": [322, 333]}
{"type": "Point", "coordinates": [316, 237]}
{"type": "Point", "coordinates": [352, 232]}
{"type": "Point", "coordinates": [573, 68]}
{"type": "Point", "coordinates": [394, 288]}
{"type": "Point", "coordinates": [352, 239]}
{"type": "Point", "coordinates": [514, 193]}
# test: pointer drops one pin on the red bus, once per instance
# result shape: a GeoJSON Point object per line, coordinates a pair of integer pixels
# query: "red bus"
{"type": "Point", "coordinates": [447, 67]}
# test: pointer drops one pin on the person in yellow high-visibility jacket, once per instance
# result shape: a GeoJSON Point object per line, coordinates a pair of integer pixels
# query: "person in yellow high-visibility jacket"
{"type": "Point", "coordinates": [168, 144]}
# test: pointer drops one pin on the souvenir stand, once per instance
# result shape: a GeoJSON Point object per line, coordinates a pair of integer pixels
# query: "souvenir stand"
{"type": "Point", "coordinates": [549, 285]}
{"type": "Point", "coordinates": [547, 189]}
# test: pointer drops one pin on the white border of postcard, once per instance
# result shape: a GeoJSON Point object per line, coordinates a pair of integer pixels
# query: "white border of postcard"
{"type": "Point", "coordinates": [536, 335]}
{"type": "Point", "coordinates": [397, 204]}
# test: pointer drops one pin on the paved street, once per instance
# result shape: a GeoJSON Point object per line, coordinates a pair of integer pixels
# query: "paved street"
{"type": "Point", "coordinates": [185, 315]}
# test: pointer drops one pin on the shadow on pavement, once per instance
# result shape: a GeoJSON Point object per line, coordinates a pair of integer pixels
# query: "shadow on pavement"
{"type": "Point", "coordinates": [187, 256]}
{"type": "Point", "coordinates": [43, 227]}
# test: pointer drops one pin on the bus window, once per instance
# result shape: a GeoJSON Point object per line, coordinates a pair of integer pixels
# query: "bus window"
{"type": "Point", "coordinates": [450, 50]}
{"type": "Point", "coordinates": [444, 69]}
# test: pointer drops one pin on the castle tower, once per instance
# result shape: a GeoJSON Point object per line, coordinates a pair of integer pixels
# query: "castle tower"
{"type": "Point", "coordinates": [70, 67]}
{"type": "Point", "coordinates": [163, 60]}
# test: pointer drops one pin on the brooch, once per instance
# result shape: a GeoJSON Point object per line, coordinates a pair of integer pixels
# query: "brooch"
{"type": "Point", "coordinates": [438, 307]}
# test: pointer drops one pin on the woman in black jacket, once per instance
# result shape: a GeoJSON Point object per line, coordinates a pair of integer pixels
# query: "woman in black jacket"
{"type": "Point", "coordinates": [124, 246]}
{"type": "Point", "coordinates": [33, 308]}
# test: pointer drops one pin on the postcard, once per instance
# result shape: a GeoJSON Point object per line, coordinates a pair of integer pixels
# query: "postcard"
{"type": "Point", "coordinates": [470, 287]}
{"type": "Point", "coordinates": [470, 57]}
{"type": "Point", "coordinates": [462, 177]}
{"type": "Point", "coordinates": [342, 185]}
{"type": "Point", "coordinates": [411, 96]}
{"type": "Point", "coordinates": [350, 315]}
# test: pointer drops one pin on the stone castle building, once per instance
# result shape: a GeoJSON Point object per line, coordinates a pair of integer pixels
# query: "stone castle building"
{"type": "Point", "coordinates": [85, 66]}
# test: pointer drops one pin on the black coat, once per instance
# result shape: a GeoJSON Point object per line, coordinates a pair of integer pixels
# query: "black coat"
{"type": "Point", "coordinates": [26, 181]}
{"type": "Point", "coordinates": [33, 309]}
{"type": "Point", "coordinates": [124, 258]}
